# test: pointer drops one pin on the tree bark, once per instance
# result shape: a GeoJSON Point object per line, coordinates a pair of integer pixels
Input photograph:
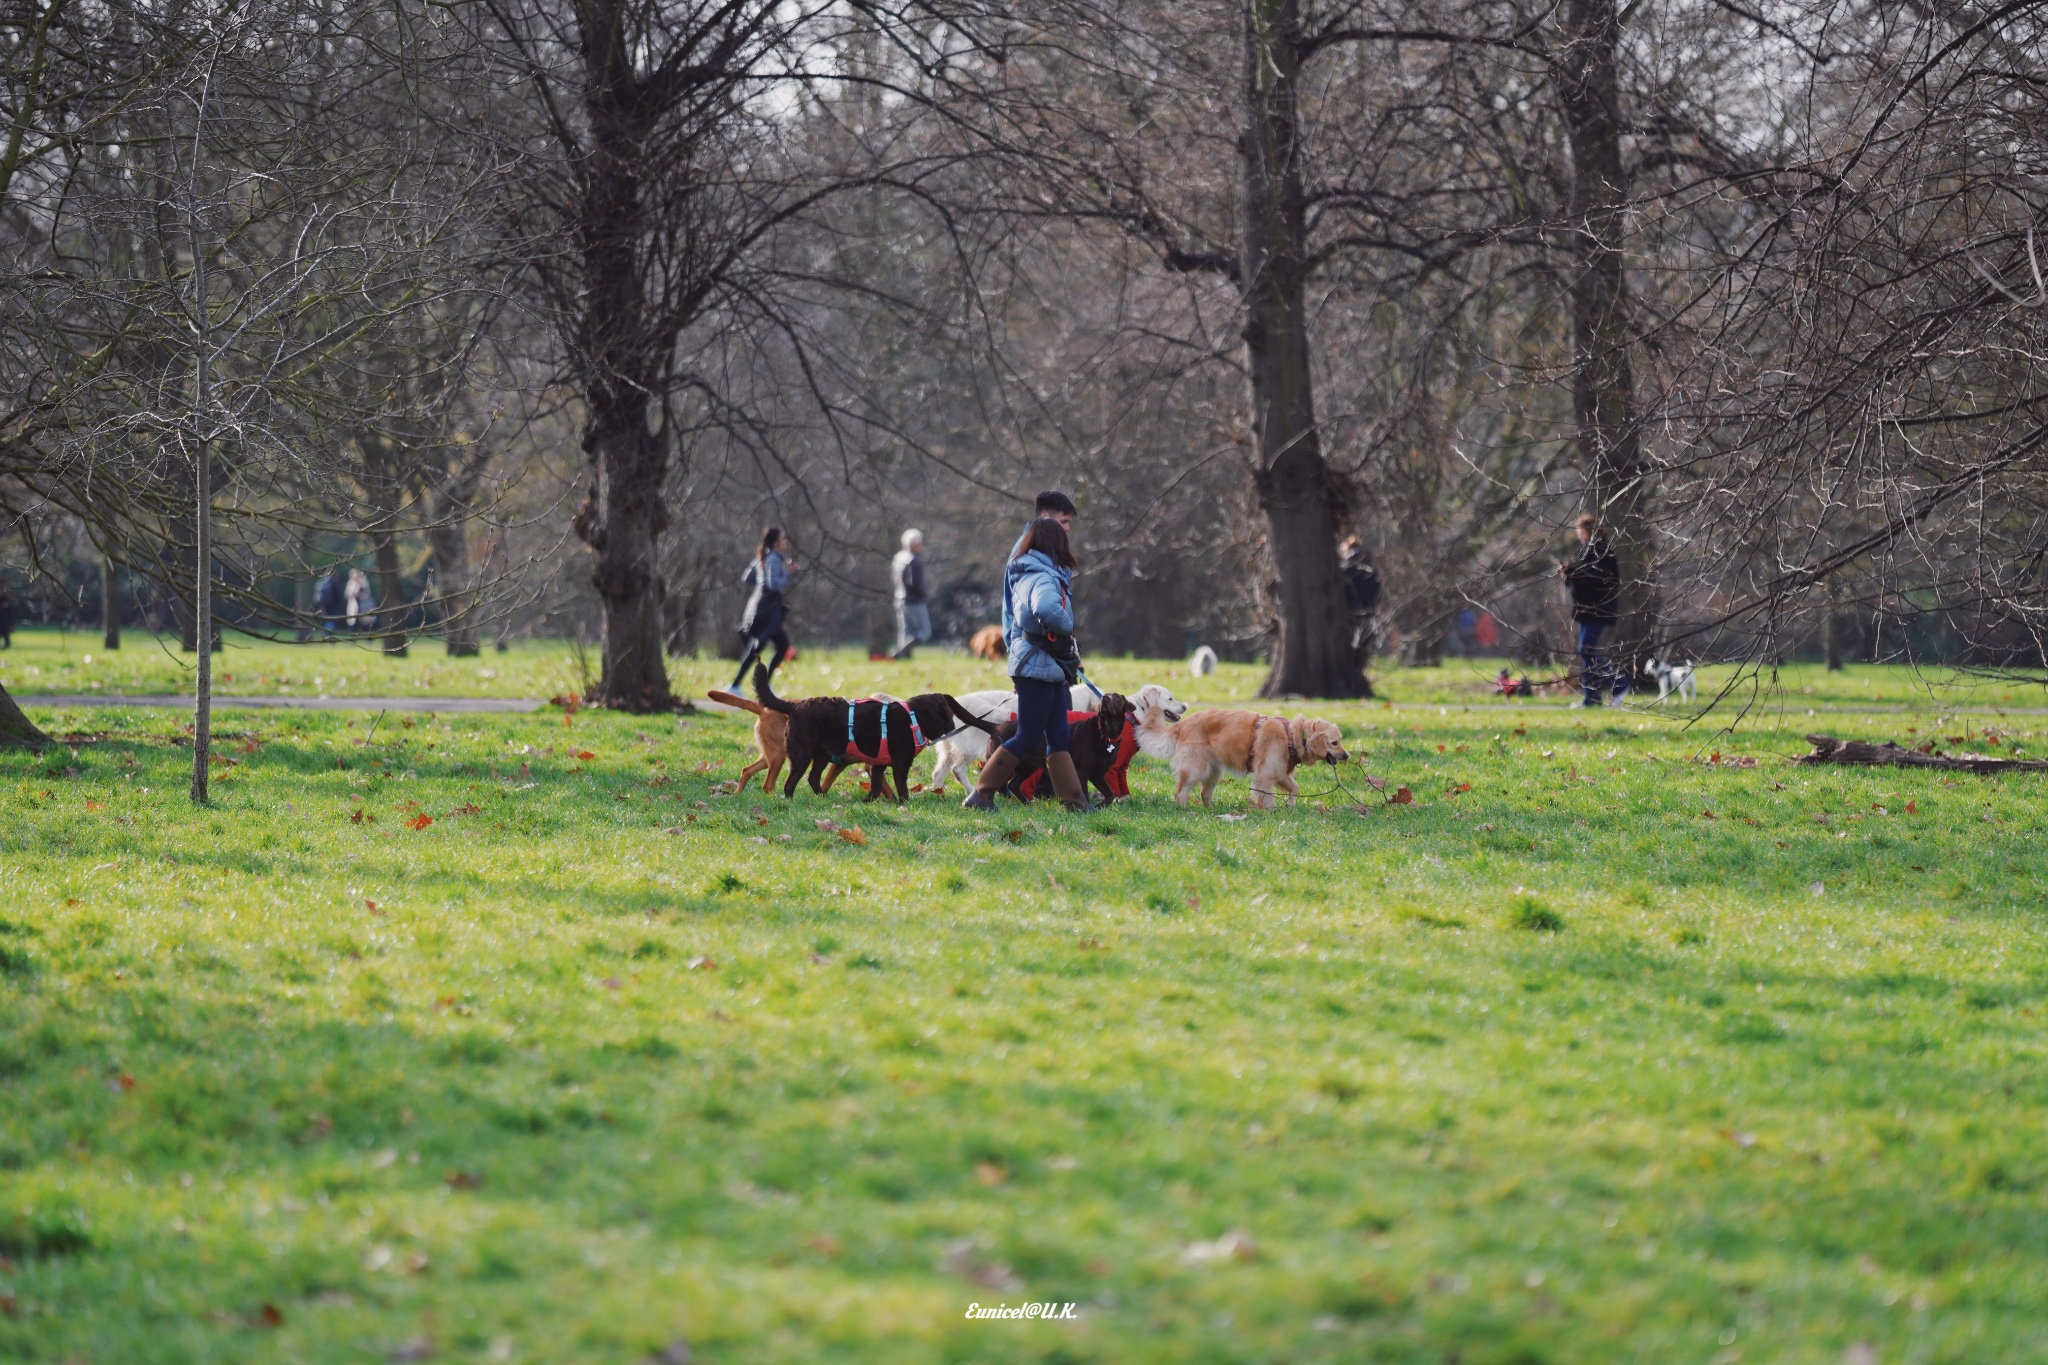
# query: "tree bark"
{"type": "Point", "coordinates": [1831, 629]}
{"type": "Point", "coordinates": [16, 728]}
{"type": "Point", "coordinates": [451, 569]}
{"type": "Point", "coordinates": [110, 605]}
{"type": "Point", "coordinates": [1603, 381]}
{"type": "Point", "coordinates": [622, 355]}
{"type": "Point", "coordinates": [1312, 655]}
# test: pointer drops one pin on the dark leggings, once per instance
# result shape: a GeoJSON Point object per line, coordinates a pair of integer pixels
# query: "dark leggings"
{"type": "Point", "coordinates": [1041, 717]}
{"type": "Point", "coordinates": [759, 646]}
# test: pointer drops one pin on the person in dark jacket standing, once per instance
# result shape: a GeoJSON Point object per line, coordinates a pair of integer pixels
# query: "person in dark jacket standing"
{"type": "Point", "coordinates": [1361, 594]}
{"type": "Point", "coordinates": [330, 599]}
{"type": "Point", "coordinates": [1593, 577]}
{"type": "Point", "coordinates": [1038, 627]}
{"type": "Point", "coordinates": [761, 625]}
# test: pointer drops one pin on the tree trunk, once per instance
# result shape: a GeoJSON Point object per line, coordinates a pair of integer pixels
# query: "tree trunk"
{"type": "Point", "coordinates": [622, 357]}
{"type": "Point", "coordinates": [1831, 629]}
{"type": "Point", "coordinates": [1312, 655]}
{"type": "Point", "coordinates": [16, 728]}
{"type": "Point", "coordinates": [110, 605]}
{"type": "Point", "coordinates": [1603, 381]}
{"type": "Point", "coordinates": [391, 613]}
{"type": "Point", "coordinates": [451, 568]}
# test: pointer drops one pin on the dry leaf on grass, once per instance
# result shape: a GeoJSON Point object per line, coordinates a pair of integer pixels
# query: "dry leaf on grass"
{"type": "Point", "coordinates": [1402, 797]}
{"type": "Point", "coordinates": [1235, 1245]}
{"type": "Point", "coordinates": [853, 835]}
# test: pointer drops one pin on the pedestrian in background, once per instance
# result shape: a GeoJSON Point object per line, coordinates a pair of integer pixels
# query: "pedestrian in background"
{"type": "Point", "coordinates": [1361, 595]}
{"type": "Point", "coordinates": [330, 599]}
{"type": "Point", "coordinates": [761, 624]}
{"type": "Point", "coordinates": [913, 610]}
{"type": "Point", "coordinates": [1593, 577]}
{"type": "Point", "coordinates": [360, 602]}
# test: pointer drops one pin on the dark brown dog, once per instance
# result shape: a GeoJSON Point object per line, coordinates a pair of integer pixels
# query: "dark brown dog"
{"type": "Point", "coordinates": [818, 734]}
{"type": "Point", "coordinates": [1093, 742]}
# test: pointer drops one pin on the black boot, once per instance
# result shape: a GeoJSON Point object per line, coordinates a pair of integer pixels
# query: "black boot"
{"type": "Point", "coordinates": [995, 775]}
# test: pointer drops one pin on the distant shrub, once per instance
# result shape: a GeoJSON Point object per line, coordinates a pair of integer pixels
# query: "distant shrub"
{"type": "Point", "coordinates": [1534, 916]}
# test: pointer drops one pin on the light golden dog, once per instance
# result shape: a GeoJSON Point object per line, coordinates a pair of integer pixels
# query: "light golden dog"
{"type": "Point", "coordinates": [1202, 746]}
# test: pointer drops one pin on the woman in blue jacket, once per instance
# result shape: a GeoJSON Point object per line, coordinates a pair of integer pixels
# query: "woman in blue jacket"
{"type": "Point", "coordinates": [761, 627]}
{"type": "Point", "coordinates": [1038, 628]}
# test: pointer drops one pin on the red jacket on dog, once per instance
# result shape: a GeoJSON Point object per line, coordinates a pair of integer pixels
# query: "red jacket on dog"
{"type": "Point", "coordinates": [1118, 778]}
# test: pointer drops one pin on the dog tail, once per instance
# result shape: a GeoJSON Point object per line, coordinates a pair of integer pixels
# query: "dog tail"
{"type": "Point", "coordinates": [735, 699]}
{"type": "Point", "coordinates": [767, 693]}
{"type": "Point", "coordinates": [967, 716]}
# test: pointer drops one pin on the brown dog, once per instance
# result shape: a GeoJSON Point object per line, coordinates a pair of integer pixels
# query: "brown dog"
{"type": "Point", "coordinates": [1203, 746]}
{"type": "Point", "coordinates": [987, 643]}
{"type": "Point", "coordinates": [771, 737]}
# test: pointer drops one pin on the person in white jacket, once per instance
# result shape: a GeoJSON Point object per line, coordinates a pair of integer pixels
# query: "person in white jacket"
{"type": "Point", "coordinates": [913, 612]}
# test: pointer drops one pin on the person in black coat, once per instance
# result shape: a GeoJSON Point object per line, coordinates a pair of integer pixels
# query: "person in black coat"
{"type": "Point", "coordinates": [1593, 577]}
{"type": "Point", "coordinates": [1361, 594]}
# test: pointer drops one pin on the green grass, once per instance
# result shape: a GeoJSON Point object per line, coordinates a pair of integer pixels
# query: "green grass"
{"type": "Point", "coordinates": [47, 661]}
{"type": "Point", "coordinates": [1598, 1051]}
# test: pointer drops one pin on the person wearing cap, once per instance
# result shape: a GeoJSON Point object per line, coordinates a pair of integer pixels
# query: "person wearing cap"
{"type": "Point", "coordinates": [913, 613]}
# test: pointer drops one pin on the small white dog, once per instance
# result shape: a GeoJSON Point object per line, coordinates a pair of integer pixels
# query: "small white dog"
{"type": "Point", "coordinates": [957, 753]}
{"type": "Point", "coordinates": [1202, 662]}
{"type": "Point", "coordinates": [1674, 678]}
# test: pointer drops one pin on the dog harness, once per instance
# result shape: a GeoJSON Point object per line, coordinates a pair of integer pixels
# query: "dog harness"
{"type": "Point", "coordinates": [1294, 750]}
{"type": "Point", "coordinates": [880, 758]}
{"type": "Point", "coordinates": [1120, 750]}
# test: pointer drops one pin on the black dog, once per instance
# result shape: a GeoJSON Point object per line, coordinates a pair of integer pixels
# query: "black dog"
{"type": "Point", "coordinates": [818, 735]}
{"type": "Point", "coordinates": [1093, 743]}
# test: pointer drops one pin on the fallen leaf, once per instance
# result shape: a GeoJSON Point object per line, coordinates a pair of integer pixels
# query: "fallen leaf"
{"type": "Point", "coordinates": [121, 1084]}
{"type": "Point", "coordinates": [1742, 1140]}
{"type": "Point", "coordinates": [585, 755]}
{"type": "Point", "coordinates": [376, 1258]}
{"type": "Point", "coordinates": [1236, 1245]}
{"type": "Point", "coordinates": [1461, 788]}
{"type": "Point", "coordinates": [464, 1180]}
{"type": "Point", "coordinates": [1234, 816]}
{"type": "Point", "coordinates": [826, 825]}
{"type": "Point", "coordinates": [1378, 784]}
{"type": "Point", "coordinates": [269, 1315]}
{"type": "Point", "coordinates": [700, 964]}
{"type": "Point", "coordinates": [1015, 836]}
{"type": "Point", "coordinates": [703, 765]}
{"type": "Point", "coordinates": [760, 819]}
{"type": "Point", "coordinates": [824, 1243]}
{"type": "Point", "coordinates": [990, 1173]}
{"type": "Point", "coordinates": [853, 835]}
{"type": "Point", "coordinates": [420, 821]}
{"type": "Point", "coordinates": [612, 983]}
{"type": "Point", "coordinates": [1912, 808]}
{"type": "Point", "coordinates": [1402, 797]}
{"type": "Point", "coordinates": [418, 1263]}
{"type": "Point", "coordinates": [371, 906]}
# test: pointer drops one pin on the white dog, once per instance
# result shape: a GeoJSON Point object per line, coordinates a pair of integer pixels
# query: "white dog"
{"type": "Point", "coordinates": [1202, 662]}
{"type": "Point", "coordinates": [957, 753]}
{"type": "Point", "coordinates": [1674, 678]}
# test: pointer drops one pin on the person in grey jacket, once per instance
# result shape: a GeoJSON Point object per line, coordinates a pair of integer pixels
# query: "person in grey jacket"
{"type": "Point", "coordinates": [913, 612]}
{"type": "Point", "coordinates": [761, 626]}
{"type": "Point", "coordinates": [1038, 627]}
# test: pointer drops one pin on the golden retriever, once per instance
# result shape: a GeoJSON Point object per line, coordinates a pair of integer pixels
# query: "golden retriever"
{"type": "Point", "coordinates": [1202, 746]}
{"type": "Point", "coordinates": [987, 643]}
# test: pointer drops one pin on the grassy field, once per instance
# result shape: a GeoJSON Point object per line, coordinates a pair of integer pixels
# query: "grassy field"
{"type": "Point", "coordinates": [48, 661]}
{"type": "Point", "coordinates": [505, 1039]}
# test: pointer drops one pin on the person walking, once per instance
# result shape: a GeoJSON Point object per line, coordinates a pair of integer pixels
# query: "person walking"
{"type": "Point", "coordinates": [769, 574]}
{"type": "Point", "coordinates": [330, 599]}
{"type": "Point", "coordinates": [913, 612]}
{"type": "Point", "coordinates": [1038, 627]}
{"type": "Point", "coordinates": [361, 602]}
{"type": "Point", "coordinates": [1593, 577]}
{"type": "Point", "coordinates": [1361, 595]}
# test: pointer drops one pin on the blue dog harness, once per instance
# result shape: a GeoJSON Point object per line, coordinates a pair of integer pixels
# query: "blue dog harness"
{"type": "Point", "coordinates": [880, 758]}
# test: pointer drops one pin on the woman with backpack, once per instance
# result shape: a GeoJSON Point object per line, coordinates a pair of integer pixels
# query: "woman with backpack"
{"type": "Point", "coordinates": [1038, 627]}
{"type": "Point", "coordinates": [769, 573]}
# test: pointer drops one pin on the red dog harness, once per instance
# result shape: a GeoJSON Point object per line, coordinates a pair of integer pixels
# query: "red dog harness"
{"type": "Point", "coordinates": [1121, 751]}
{"type": "Point", "coordinates": [880, 758]}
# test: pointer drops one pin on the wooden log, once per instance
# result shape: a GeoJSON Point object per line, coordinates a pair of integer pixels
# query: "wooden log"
{"type": "Point", "coordinates": [1855, 752]}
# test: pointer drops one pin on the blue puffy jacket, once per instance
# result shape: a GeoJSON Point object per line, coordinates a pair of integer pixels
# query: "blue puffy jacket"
{"type": "Point", "coordinates": [1035, 600]}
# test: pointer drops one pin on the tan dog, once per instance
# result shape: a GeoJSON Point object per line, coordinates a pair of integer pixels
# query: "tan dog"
{"type": "Point", "coordinates": [771, 737]}
{"type": "Point", "coordinates": [987, 643]}
{"type": "Point", "coordinates": [1203, 746]}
